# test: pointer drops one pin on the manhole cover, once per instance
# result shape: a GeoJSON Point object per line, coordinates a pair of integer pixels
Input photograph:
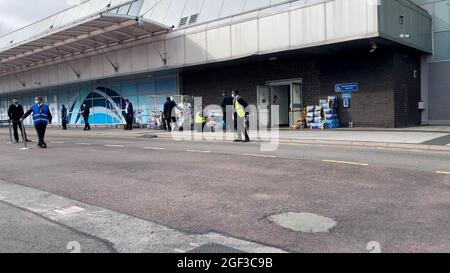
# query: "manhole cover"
{"type": "Point", "coordinates": [214, 248]}
{"type": "Point", "coordinates": [304, 222]}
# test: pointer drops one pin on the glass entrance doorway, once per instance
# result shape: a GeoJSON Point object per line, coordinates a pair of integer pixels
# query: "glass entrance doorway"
{"type": "Point", "coordinates": [287, 95]}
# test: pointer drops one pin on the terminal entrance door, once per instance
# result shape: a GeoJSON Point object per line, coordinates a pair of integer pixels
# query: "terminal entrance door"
{"type": "Point", "coordinates": [287, 95]}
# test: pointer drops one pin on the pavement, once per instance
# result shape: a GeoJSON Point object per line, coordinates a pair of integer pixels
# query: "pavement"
{"type": "Point", "coordinates": [146, 194]}
{"type": "Point", "coordinates": [423, 138]}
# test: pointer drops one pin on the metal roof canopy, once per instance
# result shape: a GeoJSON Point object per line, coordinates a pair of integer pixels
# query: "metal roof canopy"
{"type": "Point", "coordinates": [99, 32]}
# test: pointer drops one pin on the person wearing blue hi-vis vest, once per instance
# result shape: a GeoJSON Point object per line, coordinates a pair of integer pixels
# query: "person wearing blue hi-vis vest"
{"type": "Point", "coordinates": [41, 118]}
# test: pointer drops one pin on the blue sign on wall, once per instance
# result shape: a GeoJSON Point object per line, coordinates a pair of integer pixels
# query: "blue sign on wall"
{"type": "Point", "coordinates": [347, 87]}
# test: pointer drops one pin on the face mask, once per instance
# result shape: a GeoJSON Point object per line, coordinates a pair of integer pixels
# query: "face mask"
{"type": "Point", "coordinates": [15, 102]}
{"type": "Point", "coordinates": [36, 101]}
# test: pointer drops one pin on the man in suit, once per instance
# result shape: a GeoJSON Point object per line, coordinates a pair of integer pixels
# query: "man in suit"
{"type": "Point", "coordinates": [227, 103]}
{"type": "Point", "coordinates": [85, 113]}
{"type": "Point", "coordinates": [64, 117]}
{"type": "Point", "coordinates": [168, 113]}
{"type": "Point", "coordinates": [15, 113]}
{"type": "Point", "coordinates": [129, 115]}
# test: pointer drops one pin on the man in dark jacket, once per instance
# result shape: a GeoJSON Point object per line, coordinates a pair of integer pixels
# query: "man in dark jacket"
{"type": "Point", "coordinates": [227, 103]}
{"type": "Point", "coordinates": [85, 112]}
{"type": "Point", "coordinates": [41, 117]}
{"type": "Point", "coordinates": [15, 113]}
{"type": "Point", "coordinates": [64, 117]}
{"type": "Point", "coordinates": [168, 111]}
{"type": "Point", "coordinates": [129, 115]}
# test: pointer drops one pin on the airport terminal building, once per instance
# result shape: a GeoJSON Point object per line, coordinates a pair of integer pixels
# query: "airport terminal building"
{"type": "Point", "coordinates": [387, 56]}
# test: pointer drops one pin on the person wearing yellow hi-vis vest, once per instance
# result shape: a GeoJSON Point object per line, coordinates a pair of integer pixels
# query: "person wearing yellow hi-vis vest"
{"type": "Point", "coordinates": [240, 117]}
{"type": "Point", "coordinates": [199, 121]}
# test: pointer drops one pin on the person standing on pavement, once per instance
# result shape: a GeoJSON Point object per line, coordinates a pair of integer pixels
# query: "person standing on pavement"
{"type": "Point", "coordinates": [240, 117]}
{"type": "Point", "coordinates": [168, 113]}
{"type": "Point", "coordinates": [15, 113]}
{"type": "Point", "coordinates": [85, 112]}
{"type": "Point", "coordinates": [129, 115]}
{"type": "Point", "coordinates": [41, 118]}
{"type": "Point", "coordinates": [227, 102]}
{"type": "Point", "coordinates": [64, 117]}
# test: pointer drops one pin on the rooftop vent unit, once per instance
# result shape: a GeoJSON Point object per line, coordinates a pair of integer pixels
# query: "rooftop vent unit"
{"type": "Point", "coordinates": [193, 19]}
{"type": "Point", "coordinates": [183, 22]}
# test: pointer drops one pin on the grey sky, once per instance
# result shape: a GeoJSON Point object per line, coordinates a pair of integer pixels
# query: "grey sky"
{"type": "Point", "coordinates": [15, 14]}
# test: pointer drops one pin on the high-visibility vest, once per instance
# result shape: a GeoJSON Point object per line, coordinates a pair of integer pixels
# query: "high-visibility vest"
{"type": "Point", "coordinates": [239, 108]}
{"type": "Point", "coordinates": [40, 116]}
{"type": "Point", "coordinates": [199, 119]}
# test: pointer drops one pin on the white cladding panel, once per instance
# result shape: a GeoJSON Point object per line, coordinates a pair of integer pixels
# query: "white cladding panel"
{"type": "Point", "coordinates": [244, 38]}
{"type": "Point", "coordinates": [307, 26]}
{"type": "Point", "coordinates": [346, 19]}
{"type": "Point", "coordinates": [84, 66]}
{"type": "Point", "coordinates": [108, 69]}
{"type": "Point", "coordinates": [219, 43]}
{"type": "Point", "coordinates": [97, 66]}
{"type": "Point", "coordinates": [196, 47]}
{"type": "Point", "coordinates": [175, 51]}
{"type": "Point", "coordinates": [139, 58]}
{"type": "Point", "coordinates": [274, 32]}
{"type": "Point", "coordinates": [124, 60]}
{"type": "Point", "coordinates": [53, 74]}
{"type": "Point", "coordinates": [156, 54]}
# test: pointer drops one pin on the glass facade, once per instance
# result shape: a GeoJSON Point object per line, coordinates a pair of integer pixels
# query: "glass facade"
{"type": "Point", "coordinates": [440, 10]}
{"type": "Point", "coordinates": [106, 100]}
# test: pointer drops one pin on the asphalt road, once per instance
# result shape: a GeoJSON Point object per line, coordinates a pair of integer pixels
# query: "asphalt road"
{"type": "Point", "coordinates": [400, 199]}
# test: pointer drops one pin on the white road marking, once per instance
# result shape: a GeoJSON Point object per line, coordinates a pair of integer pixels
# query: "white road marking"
{"type": "Point", "coordinates": [153, 148]}
{"type": "Point", "coordinates": [258, 155]}
{"type": "Point", "coordinates": [57, 142]}
{"type": "Point", "coordinates": [179, 250]}
{"type": "Point", "coordinates": [85, 144]}
{"type": "Point", "coordinates": [345, 162]}
{"type": "Point", "coordinates": [441, 172]}
{"type": "Point", "coordinates": [129, 238]}
{"type": "Point", "coordinates": [197, 151]}
{"type": "Point", "coordinates": [115, 146]}
{"type": "Point", "coordinates": [448, 144]}
{"type": "Point", "coordinates": [69, 210]}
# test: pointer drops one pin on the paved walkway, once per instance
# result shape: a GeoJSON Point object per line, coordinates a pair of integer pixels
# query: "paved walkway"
{"type": "Point", "coordinates": [427, 137]}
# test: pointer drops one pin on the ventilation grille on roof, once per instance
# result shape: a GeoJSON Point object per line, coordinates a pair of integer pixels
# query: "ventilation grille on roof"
{"type": "Point", "coordinates": [183, 21]}
{"type": "Point", "coordinates": [193, 19]}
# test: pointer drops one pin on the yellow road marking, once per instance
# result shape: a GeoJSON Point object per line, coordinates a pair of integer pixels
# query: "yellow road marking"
{"type": "Point", "coordinates": [440, 172]}
{"type": "Point", "coordinates": [345, 162]}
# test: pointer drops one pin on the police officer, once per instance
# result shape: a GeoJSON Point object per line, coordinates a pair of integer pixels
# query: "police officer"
{"type": "Point", "coordinates": [240, 117]}
{"type": "Point", "coordinates": [41, 117]}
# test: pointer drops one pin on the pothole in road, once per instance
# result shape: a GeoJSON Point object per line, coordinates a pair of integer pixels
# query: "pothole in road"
{"type": "Point", "coordinates": [304, 222]}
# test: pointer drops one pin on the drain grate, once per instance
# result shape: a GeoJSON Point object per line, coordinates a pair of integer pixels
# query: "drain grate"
{"type": "Point", "coordinates": [214, 248]}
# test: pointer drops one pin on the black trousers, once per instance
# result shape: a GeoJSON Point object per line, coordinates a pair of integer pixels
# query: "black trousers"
{"type": "Point", "coordinates": [40, 130]}
{"type": "Point", "coordinates": [129, 121]}
{"type": "Point", "coordinates": [64, 124]}
{"type": "Point", "coordinates": [16, 125]}
{"type": "Point", "coordinates": [86, 124]}
{"type": "Point", "coordinates": [168, 123]}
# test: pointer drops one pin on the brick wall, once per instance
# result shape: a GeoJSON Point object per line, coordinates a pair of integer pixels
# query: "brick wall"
{"type": "Point", "coordinates": [379, 76]}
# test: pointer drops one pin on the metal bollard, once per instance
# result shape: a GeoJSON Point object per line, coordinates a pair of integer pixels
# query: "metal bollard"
{"type": "Point", "coordinates": [10, 133]}
{"type": "Point", "coordinates": [23, 137]}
